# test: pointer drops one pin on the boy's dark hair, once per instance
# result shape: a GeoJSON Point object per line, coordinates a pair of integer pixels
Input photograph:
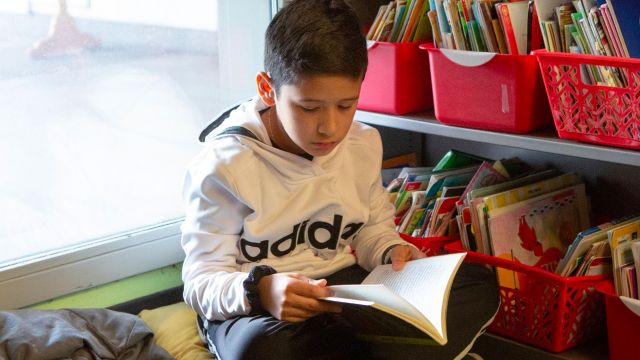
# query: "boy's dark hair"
{"type": "Point", "coordinates": [314, 37]}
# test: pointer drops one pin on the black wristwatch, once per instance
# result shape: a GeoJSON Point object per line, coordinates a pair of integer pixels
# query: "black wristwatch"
{"type": "Point", "coordinates": [251, 290]}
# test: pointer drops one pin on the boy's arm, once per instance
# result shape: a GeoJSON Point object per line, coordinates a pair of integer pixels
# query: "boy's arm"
{"type": "Point", "coordinates": [378, 235]}
{"type": "Point", "coordinates": [212, 283]}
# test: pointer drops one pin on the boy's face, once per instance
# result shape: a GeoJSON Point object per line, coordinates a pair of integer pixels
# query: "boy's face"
{"type": "Point", "coordinates": [316, 113]}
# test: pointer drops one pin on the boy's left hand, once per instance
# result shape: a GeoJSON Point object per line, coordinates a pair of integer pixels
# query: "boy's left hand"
{"type": "Point", "coordinates": [400, 254]}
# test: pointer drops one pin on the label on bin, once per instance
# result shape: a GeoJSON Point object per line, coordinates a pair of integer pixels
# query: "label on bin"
{"type": "Point", "coordinates": [468, 58]}
{"type": "Point", "coordinates": [631, 304]}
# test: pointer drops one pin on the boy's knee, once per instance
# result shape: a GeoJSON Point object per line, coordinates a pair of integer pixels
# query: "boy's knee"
{"type": "Point", "coordinates": [325, 336]}
{"type": "Point", "coordinates": [475, 294]}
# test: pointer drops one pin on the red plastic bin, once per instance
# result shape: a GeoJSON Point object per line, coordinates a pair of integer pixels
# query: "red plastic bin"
{"type": "Point", "coordinates": [623, 324]}
{"type": "Point", "coordinates": [598, 114]}
{"type": "Point", "coordinates": [434, 245]}
{"type": "Point", "coordinates": [397, 79]}
{"type": "Point", "coordinates": [548, 311]}
{"type": "Point", "coordinates": [488, 91]}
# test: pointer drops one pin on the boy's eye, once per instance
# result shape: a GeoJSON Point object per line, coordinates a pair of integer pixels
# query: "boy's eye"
{"type": "Point", "coordinates": [310, 108]}
{"type": "Point", "coordinates": [345, 106]}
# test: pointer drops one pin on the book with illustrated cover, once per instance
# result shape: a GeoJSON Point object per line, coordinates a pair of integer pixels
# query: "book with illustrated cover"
{"type": "Point", "coordinates": [538, 231]}
{"type": "Point", "coordinates": [388, 300]}
{"type": "Point", "coordinates": [517, 190]}
{"type": "Point", "coordinates": [620, 239]}
{"type": "Point", "coordinates": [576, 254]}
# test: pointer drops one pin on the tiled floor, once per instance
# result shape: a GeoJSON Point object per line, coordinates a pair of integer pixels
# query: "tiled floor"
{"type": "Point", "coordinates": [96, 143]}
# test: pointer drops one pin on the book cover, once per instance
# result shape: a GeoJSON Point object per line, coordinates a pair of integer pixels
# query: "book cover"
{"type": "Point", "coordinates": [635, 250]}
{"type": "Point", "coordinates": [626, 16]}
{"type": "Point", "coordinates": [401, 8]}
{"type": "Point", "coordinates": [452, 177]}
{"type": "Point", "coordinates": [620, 240]}
{"type": "Point", "coordinates": [484, 22]}
{"type": "Point", "coordinates": [537, 232]}
{"type": "Point", "coordinates": [456, 159]}
{"type": "Point", "coordinates": [451, 12]}
{"type": "Point", "coordinates": [514, 23]}
{"type": "Point", "coordinates": [477, 207]}
{"type": "Point", "coordinates": [546, 10]}
{"type": "Point", "coordinates": [422, 31]}
{"type": "Point", "coordinates": [534, 39]}
{"type": "Point", "coordinates": [486, 175]}
{"type": "Point", "coordinates": [612, 31]}
{"type": "Point", "coordinates": [417, 295]}
{"type": "Point", "coordinates": [585, 239]}
{"type": "Point", "coordinates": [529, 191]}
{"type": "Point", "coordinates": [413, 17]}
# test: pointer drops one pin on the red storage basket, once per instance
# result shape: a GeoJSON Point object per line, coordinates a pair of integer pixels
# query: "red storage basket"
{"type": "Point", "coordinates": [592, 113]}
{"type": "Point", "coordinates": [623, 324]}
{"type": "Point", "coordinates": [397, 79]}
{"type": "Point", "coordinates": [434, 245]}
{"type": "Point", "coordinates": [488, 91]}
{"type": "Point", "coordinates": [548, 311]}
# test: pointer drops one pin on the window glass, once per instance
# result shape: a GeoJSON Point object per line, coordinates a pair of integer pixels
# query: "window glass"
{"type": "Point", "coordinates": [101, 105]}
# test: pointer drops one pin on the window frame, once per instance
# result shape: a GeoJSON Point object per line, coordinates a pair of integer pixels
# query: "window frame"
{"type": "Point", "coordinates": [96, 262]}
{"type": "Point", "coordinates": [90, 264]}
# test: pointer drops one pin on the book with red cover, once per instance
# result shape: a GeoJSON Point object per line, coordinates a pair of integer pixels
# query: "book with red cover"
{"type": "Point", "coordinates": [514, 20]}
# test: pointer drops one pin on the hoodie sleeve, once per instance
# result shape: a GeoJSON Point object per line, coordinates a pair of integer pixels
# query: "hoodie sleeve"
{"type": "Point", "coordinates": [213, 220]}
{"type": "Point", "coordinates": [378, 235]}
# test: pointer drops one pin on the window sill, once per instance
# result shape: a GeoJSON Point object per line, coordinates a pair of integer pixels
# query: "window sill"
{"type": "Point", "coordinates": [90, 265]}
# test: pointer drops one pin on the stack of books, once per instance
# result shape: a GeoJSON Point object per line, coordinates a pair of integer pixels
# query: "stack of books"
{"type": "Point", "coordinates": [508, 209]}
{"type": "Point", "coordinates": [609, 248]}
{"type": "Point", "coordinates": [484, 25]}
{"type": "Point", "coordinates": [594, 27]}
{"type": "Point", "coordinates": [598, 27]}
{"type": "Point", "coordinates": [401, 21]}
{"type": "Point", "coordinates": [503, 208]}
{"type": "Point", "coordinates": [425, 197]}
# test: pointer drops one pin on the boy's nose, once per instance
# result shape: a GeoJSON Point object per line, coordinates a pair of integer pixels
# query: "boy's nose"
{"type": "Point", "coordinates": [328, 122]}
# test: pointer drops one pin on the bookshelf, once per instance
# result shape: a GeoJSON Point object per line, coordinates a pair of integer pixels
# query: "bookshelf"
{"type": "Point", "coordinates": [545, 140]}
{"type": "Point", "coordinates": [611, 175]}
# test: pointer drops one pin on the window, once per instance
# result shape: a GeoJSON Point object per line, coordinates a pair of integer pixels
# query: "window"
{"type": "Point", "coordinates": [102, 102]}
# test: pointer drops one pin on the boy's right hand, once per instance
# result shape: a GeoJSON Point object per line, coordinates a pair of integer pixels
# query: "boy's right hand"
{"type": "Point", "coordinates": [294, 297]}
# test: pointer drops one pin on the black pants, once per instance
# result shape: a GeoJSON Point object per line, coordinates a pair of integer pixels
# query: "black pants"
{"type": "Point", "coordinates": [472, 304]}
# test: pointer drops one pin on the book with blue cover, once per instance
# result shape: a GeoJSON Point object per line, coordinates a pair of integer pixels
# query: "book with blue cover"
{"type": "Point", "coordinates": [626, 15]}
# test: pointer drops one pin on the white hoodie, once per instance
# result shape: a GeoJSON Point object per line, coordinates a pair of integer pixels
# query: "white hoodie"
{"type": "Point", "coordinates": [248, 204]}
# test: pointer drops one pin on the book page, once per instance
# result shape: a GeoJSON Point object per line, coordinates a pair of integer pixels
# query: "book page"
{"type": "Point", "coordinates": [370, 294]}
{"type": "Point", "coordinates": [424, 283]}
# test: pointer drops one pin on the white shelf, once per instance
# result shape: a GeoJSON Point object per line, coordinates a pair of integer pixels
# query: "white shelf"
{"type": "Point", "coordinates": [546, 140]}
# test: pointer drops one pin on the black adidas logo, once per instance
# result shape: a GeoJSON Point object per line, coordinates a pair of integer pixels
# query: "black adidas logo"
{"type": "Point", "coordinates": [301, 233]}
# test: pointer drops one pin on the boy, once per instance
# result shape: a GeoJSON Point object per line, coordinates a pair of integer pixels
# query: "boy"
{"type": "Point", "coordinates": [286, 198]}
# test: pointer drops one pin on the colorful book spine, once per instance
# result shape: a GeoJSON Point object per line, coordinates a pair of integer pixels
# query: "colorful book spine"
{"type": "Point", "coordinates": [507, 27]}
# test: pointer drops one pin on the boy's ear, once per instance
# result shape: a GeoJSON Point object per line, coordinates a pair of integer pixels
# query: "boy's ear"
{"type": "Point", "coordinates": [266, 92]}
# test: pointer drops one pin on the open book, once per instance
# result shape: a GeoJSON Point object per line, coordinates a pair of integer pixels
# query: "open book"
{"type": "Point", "coordinates": [417, 295]}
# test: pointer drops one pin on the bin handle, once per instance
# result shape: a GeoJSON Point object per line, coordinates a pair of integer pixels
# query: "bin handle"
{"type": "Point", "coordinates": [468, 58]}
{"type": "Point", "coordinates": [526, 269]}
{"type": "Point", "coordinates": [632, 304]}
{"type": "Point", "coordinates": [583, 59]}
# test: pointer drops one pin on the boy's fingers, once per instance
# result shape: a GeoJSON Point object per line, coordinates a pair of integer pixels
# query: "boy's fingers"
{"type": "Point", "coordinates": [312, 288]}
{"type": "Point", "coordinates": [400, 255]}
{"type": "Point", "coordinates": [314, 306]}
{"type": "Point", "coordinates": [398, 265]}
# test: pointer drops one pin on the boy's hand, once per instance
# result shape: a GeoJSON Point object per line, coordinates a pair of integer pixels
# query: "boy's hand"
{"type": "Point", "coordinates": [400, 254]}
{"type": "Point", "coordinates": [294, 297]}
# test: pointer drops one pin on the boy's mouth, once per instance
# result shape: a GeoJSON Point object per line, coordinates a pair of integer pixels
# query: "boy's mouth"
{"type": "Point", "coordinates": [324, 145]}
